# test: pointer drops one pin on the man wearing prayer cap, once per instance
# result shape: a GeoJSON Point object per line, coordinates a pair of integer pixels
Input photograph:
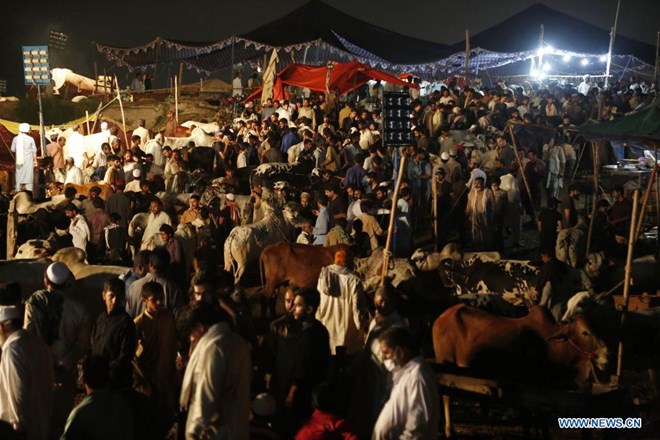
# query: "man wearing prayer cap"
{"type": "Point", "coordinates": [26, 157]}
{"type": "Point", "coordinates": [26, 378]}
{"type": "Point", "coordinates": [134, 185]}
{"type": "Point", "coordinates": [62, 323]}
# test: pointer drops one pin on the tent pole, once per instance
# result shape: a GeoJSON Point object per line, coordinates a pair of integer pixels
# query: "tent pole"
{"type": "Point", "coordinates": [390, 229]}
{"type": "Point", "coordinates": [541, 48]}
{"type": "Point", "coordinates": [626, 284]}
{"type": "Point", "coordinates": [467, 56]}
{"type": "Point", "coordinates": [529, 192]}
{"type": "Point", "coordinates": [657, 56]}
{"type": "Point", "coordinates": [612, 36]}
{"type": "Point", "coordinates": [596, 160]}
{"type": "Point", "coordinates": [645, 199]}
{"type": "Point", "coordinates": [657, 196]}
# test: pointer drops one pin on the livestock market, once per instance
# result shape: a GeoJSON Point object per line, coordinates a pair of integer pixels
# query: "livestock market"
{"type": "Point", "coordinates": [325, 229]}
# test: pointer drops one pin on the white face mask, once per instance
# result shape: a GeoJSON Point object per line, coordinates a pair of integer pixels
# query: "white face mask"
{"type": "Point", "coordinates": [389, 365]}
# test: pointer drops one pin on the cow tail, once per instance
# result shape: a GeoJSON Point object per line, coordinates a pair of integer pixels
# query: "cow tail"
{"type": "Point", "coordinates": [229, 263]}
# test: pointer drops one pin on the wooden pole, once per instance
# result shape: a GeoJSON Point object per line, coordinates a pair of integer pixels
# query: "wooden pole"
{"type": "Point", "coordinates": [87, 122]}
{"type": "Point", "coordinates": [595, 155]}
{"type": "Point", "coordinates": [180, 77]}
{"type": "Point", "coordinates": [390, 228]}
{"type": "Point", "coordinates": [467, 56]}
{"type": "Point", "coordinates": [96, 115]}
{"type": "Point", "coordinates": [96, 78]}
{"type": "Point", "coordinates": [435, 214]}
{"type": "Point", "coordinates": [105, 86]}
{"type": "Point", "coordinates": [176, 98]}
{"type": "Point", "coordinates": [529, 192]}
{"type": "Point", "coordinates": [657, 56]}
{"type": "Point", "coordinates": [626, 285]}
{"type": "Point", "coordinates": [12, 222]}
{"type": "Point", "coordinates": [657, 197]}
{"type": "Point", "coordinates": [612, 37]}
{"type": "Point", "coordinates": [645, 199]}
{"type": "Point", "coordinates": [123, 117]}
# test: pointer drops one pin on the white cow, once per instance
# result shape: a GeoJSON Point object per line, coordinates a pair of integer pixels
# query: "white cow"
{"type": "Point", "coordinates": [208, 127]}
{"type": "Point", "coordinates": [401, 272]}
{"type": "Point", "coordinates": [245, 243]}
{"type": "Point", "coordinates": [198, 136]}
{"type": "Point", "coordinates": [427, 261]}
{"type": "Point", "coordinates": [91, 141]}
{"type": "Point", "coordinates": [85, 85]}
{"type": "Point", "coordinates": [33, 249]}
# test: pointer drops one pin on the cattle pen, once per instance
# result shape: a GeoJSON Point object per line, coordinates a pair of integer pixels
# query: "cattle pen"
{"type": "Point", "coordinates": [537, 403]}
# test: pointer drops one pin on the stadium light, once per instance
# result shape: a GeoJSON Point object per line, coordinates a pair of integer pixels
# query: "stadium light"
{"type": "Point", "coordinates": [584, 61]}
{"type": "Point", "coordinates": [566, 58]}
{"type": "Point", "coordinates": [603, 58]}
{"type": "Point", "coordinates": [546, 67]}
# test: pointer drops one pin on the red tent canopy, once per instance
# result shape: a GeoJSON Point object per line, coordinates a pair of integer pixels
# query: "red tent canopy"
{"type": "Point", "coordinates": [343, 76]}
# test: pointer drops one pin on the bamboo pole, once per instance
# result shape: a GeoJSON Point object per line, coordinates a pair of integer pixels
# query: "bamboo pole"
{"type": "Point", "coordinates": [180, 77]}
{"type": "Point", "coordinates": [524, 178]}
{"type": "Point", "coordinates": [123, 117]}
{"type": "Point", "coordinates": [645, 199]}
{"type": "Point", "coordinates": [176, 98]}
{"type": "Point", "coordinates": [595, 156]}
{"type": "Point", "coordinates": [12, 230]}
{"type": "Point", "coordinates": [626, 285]}
{"type": "Point", "coordinates": [467, 56]}
{"type": "Point", "coordinates": [87, 122]}
{"type": "Point", "coordinates": [105, 86]}
{"type": "Point", "coordinates": [96, 78]}
{"type": "Point", "coordinates": [611, 47]}
{"type": "Point", "coordinates": [435, 213]}
{"type": "Point", "coordinates": [390, 228]}
{"type": "Point", "coordinates": [96, 115]}
{"type": "Point", "coordinates": [657, 197]}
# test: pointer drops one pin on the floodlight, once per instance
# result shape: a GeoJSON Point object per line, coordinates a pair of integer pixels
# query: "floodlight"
{"type": "Point", "coordinates": [603, 58]}
{"type": "Point", "coordinates": [584, 61]}
{"type": "Point", "coordinates": [566, 58]}
{"type": "Point", "coordinates": [541, 51]}
{"type": "Point", "coordinates": [546, 67]}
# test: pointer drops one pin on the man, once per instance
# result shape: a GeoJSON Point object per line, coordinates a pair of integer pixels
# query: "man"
{"type": "Point", "coordinates": [155, 148]}
{"type": "Point", "coordinates": [413, 409]}
{"type": "Point", "coordinates": [366, 136]}
{"type": "Point", "coordinates": [98, 220]}
{"type": "Point", "coordinates": [343, 308]}
{"type": "Point", "coordinates": [475, 172]}
{"type": "Point", "coordinates": [159, 263]}
{"type": "Point", "coordinates": [156, 353]}
{"type": "Point", "coordinates": [356, 173]}
{"type": "Point", "coordinates": [119, 203]}
{"type": "Point", "coordinates": [620, 212]}
{"type": "Point", "coordinates": [142, 133]}
{"type": "Point", "coordinates": [175, 250]}
{"type": "Point", "coordinates": [534, 171]}
{"type": "Point", "coordinates": [337, 207]}
{"type": "Point", "coordinates": [114, 171]}
{"type": "Point", "coordinates": [556, 161]}
{"type": "Point", "coordinates": [216, 383]}
{"type": "Point", "coordinates": [194, 211]}
{"type": "Point", "coordinates": [306, 236]}
{"type": "Point", "coordinates": [585, 86]}
{"type": "Point", "coordinates": [479, 212]}
{"type": "Point", "coordinates": [76, 147]}
{"type": "Point", "coordinates": [90, 418]}
{"type": "Point", "coordinates": [567, 207]}
{"type": "Point", "coordinates": [500, 201]}
{"type": "Point", "coordinates": [26, 157]}
{"type": "Point", "coordinates": [113, 335]}
{"type": "Point", "coordinates": [78, 228]}
{"type": "Point", "coordinates": [420, 183]}
{"type": "Point", "coordinates": [513, 215]}
{"type": "Point", "coordinates": [555, 284]}
{"type": "Point", "coordinates": [170, 124]}
{"type": "Point", "coordinates": [26, 378]}
{"type": "Point", "coordinates": [157, 218]}
{"type": "Point", "coordinates": [443, 200]}
{"type": "Point", "coordinates": [504, 151]}
{"type": "Point", "coordinates": [237, 85]}
{"type": "Point", "coordinates": [73, 173]}
{"type": "Point", "coordinates": [55, 150]}
{"type": "Point", "coordinates": [323, 221]}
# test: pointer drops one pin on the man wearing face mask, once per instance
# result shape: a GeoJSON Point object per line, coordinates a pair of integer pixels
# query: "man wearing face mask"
{"type": "Point", "coordinates": [413, 409]}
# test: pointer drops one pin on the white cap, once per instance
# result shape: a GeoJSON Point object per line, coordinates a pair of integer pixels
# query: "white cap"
{"type": "Point", "coordinates": [104, 125]}
{"type": "Point", "coordinates": [444, 156]}
{"type": "Point", "coordinates": [24, 127]}
{"type": "Point", "coordinates": [264, 405]}
{"type": "Point", "coordinates": [353, 130]}
{"type": "Point", "coordinates": [137, 172]}
{"type": "Point", "coordinates": [58, 273]}
{"type": "Point", "coordinates": [7, 313]}
{"type": "Point", "coordinates": [231, 197]}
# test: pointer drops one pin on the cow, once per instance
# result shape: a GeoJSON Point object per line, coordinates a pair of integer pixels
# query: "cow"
{"type": "Point", "coordinates": [89, 278]}
{"type": "Point", "coordinates": [402, 274]}
{"type": "Point", "coordinates": [245, 243]}
{"type": "Point", "coordinates": [208, 127]}
{"type": "Point", "coordinates": [532, 349]}
{"type": "Point", "coordinates": [427, 261]}
{"type": "Point", "coordinates": [55, 189]}
{"type": "Point", "coordinates": [34, 249]}
{"type": "Point", "coordinates": [606, 273]}
{"type": "Point", "coordinates": [83, 84]}
{"type": "Point", "coordinates": [297, 174]}
{"type": "Point", "coordinates": [514, 280]}
{"type": "Point", "coordinates": [245, 203]}
{"type": "Point", "coordinates": [197, 135]}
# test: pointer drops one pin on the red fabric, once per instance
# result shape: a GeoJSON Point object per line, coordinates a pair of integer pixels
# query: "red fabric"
{"type": "Point", "coordinates": [324, 426]}
{"type": "Point", "coordinates": [344, 76]}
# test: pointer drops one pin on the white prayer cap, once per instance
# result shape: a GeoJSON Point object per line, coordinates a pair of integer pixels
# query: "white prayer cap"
{"type": "Point", "coordinates": [58, 273]}
{"type": "Point", "coordinates": [353, 130]}
{"type": "Point", "coordinates": [264, 405]}
{"type": "Point", "coordinates": [7, 313]}
{"type": "Point", "coordinates": [24, 128]}
{"type": "Point", "coordinates": [444, 155]}
{"type": "Point", "coordinates": [104, 125]}
{"type": "Point", "coordinates": [137, 173]}
{"type": "Point", "coordinates": [231, 197]}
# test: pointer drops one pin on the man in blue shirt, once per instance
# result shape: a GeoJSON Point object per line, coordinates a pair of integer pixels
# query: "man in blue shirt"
{"type": "Point", "coordinates": [289, 138]}
{"type": "Point", "coordinates": [355, 174]}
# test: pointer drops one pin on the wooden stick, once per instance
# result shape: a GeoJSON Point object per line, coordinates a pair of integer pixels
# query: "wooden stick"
{"type": "Point", "coordinates": [645, 199]}
{"type": "Point", "coordinates": [435, 213]}
{"type": "Point", "coordinates": [96, 79]}
{"type": "Point", "coordinates": [96, 115]}
{"type": "Point", "coordinates": [87, 122]}
{"type": "Point", "coordinates": [12, 230]}
{"type": "Point", "coordinates": [626, 284]}
{"type": "Point", "coordinates": [123, 117]}
{"type": "Point", "coordinates": [524, 178]}
{"type": "Point", "coordinates": [595, 155]}
{"type": "Point", "coordinates": [390, 228]}
{"type": "Point", "coordinates": [176, 98]}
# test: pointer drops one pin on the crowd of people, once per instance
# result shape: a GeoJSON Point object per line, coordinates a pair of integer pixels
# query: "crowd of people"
{"type": "Point", "coordinates": [174, 353]}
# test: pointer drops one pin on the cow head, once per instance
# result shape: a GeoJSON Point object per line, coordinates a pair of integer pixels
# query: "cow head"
{"type": "Point", "coordinates": [291, 213]}
{"type": "Point", "coordinates": [33, 249]}
{"type": "Point", "coordinates": [420, 259]}
{"type": "Point", "coordinates": [596, 263]}
{"type": "Point", "coordinates": [575, 346]}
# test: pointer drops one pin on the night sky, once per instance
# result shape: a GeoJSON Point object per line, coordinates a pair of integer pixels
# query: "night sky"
{"type": "Point", "coordinates": [130, 23]}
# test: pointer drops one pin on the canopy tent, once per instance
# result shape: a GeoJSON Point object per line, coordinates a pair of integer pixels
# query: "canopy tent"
{"type": "Point", "coordinates": [641, 125]}
{"type": "Point", "coordinates": [316, 20]}
{"type": "Point", "coordinates": [343, 76]}
{"type": "Point", "coordinates": [521, 32]}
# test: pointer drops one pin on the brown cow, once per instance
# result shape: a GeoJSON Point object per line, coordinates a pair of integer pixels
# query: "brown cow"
{"type": "Point", "coordinates": [527, 348]}
{"type": "Point", "coordinates": [298, 264]}
{"type": "Point", "coordinates": [55, 189]}
{"type": "Point", "coordinates": [533, 348]}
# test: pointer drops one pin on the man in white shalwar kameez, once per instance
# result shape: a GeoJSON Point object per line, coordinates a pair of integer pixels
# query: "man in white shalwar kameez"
{"type": "Point", "coordinates": [26, 157]}
{"type": "Point", "coordinates": [76, 147]}
{"type": "Point", "coordinates": [216, 384]}
{"type": "Point", "coordinates": [479, 213]}
{"type": "Point", "coordinates": [26, 378]}
{"type": "Point", "coordinates": [155, 147]}
{"type": "Point", "coordinates": [79, 230]}
{"type": "Point", "coordinates": [413, 409]}
{"type": "Point", "coordinates": [343, 309]}
{"type": "Point", "coordinates": [157, 218]}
